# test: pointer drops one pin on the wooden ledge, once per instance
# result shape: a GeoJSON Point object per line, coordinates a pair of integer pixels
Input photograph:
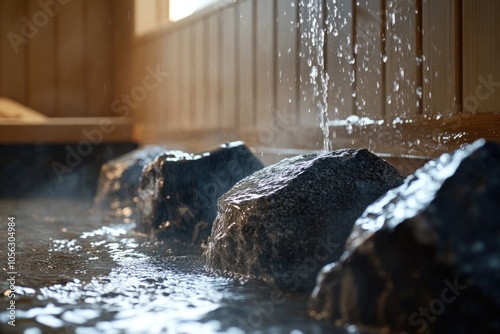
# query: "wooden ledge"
{"type": "Point", "coordinates": [66, 130]}
{"type": "Point", "coordinates": [419, 138]}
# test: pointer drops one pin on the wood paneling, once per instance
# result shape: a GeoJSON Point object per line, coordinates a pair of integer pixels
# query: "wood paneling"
{"type": "Point", "coordinates": [70, 55]}
{"type": "Point", "coordinates": [97, 56]}
{"type": "Point", "coordinates": [41, 65]}
{"type": "Point", "coordinates": [306, 102]}
{"type": "Point", "coordinates": [369, 65]}
{"type": "Point", "coordinates": [481, 72]}
{"type": "Point", "coordinates": [245, 65]}
{"type": "Point", "coordinates": [265, 54]}
{"type": "Point", "coordinates": [246, 62]}
{"type": "Point", "coordinates": [198, 93]}
{"type": "Point", "coordinates": [13, 47]}
{"type": "Point", "coordinates": [227, 110]}
{"type": "Point", "coordinates": [439, 62]}
{"type": "Point", "coordinates": [242, 68]}
{"type": "Point", "coordinates": [340, 58]}
{"type": "Point", "coordinates": [184, 77]}
{"type": "Point", "coordinates": [213, 87]}
{"type": "Point", "coordinates": [286, 71]}
{"type": "Point", "coordinates": [60, 61]}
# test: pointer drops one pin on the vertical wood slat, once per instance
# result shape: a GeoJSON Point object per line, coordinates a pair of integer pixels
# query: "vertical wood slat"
{"type": "Point", "coordinates": [71, 69]}
{"type": "Point", "coordinates": [170, 89]}
{"type": "Point", "coordinates": [369, 59]}
{"type": "Point", "coordinates": [402, 65]}
{"type": "Point", "coordinates": [246, 61]}
{"type": "Point", "coordinates": [481, 73]}
{"type": "Point", "coordinates": [198, 86]}
{"type": "Point", "coordinates": [121, 30]}
{"type": "Point", "coordinates": [339, 58]}
{"type": "Point", "coordinates": [13, 48]}
{"type": "Point", "coordinates": [98, 57]}
{"type": "Point", "coordinates": [439, 64]}
{"type": "Point", "coordinates": [264, 104]}
{"type": "Point", "coordinates": [40, 64]}
{"type": "Point", "coordinates": [213, 71]}
{"type": "Point", "coordinates": [175, 90]}
{"type": "Point", "coordinates": [286, 74]}
{"type": "Point", "coordinates": [227, 111]}
{"type": "Point", "coordinates": [163, 99]}
{"type": "Point", "coordinates": [184, 77]}
{"type": "Point", "coordinates": [150, 107]}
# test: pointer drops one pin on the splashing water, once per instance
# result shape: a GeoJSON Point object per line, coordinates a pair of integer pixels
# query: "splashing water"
{"type": "Point", "coordinates": [315, 33]}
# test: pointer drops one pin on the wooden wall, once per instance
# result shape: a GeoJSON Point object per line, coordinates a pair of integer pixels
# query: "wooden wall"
{"type": "Point", "coordinates": [412, 71]}
{"type": "Point", "coordinates": [59, 57]}
{"type": "Point", "coordinates": [242, 70]}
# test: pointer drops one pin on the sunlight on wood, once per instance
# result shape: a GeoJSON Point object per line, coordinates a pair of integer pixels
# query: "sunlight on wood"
{"type": "Point", "coordinates": [180, 9]}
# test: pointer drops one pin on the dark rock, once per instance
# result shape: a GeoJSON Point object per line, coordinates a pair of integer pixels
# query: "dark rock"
{"type": "Point", "coordinates": [283, 223]}
{"type": "Point", "coordinates": [119, 179]}
{"type": "Point", "coordinates": [179, 191]}
{"type": "Point", "coordinates": [426, 256]}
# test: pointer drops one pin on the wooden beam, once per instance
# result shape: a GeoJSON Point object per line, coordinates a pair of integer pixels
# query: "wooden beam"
{"type": "Point", "coordinates": [66, 130]}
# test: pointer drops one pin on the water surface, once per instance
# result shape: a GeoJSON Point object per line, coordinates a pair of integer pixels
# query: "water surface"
{"type": "Point", "coordinates": [82, 272]}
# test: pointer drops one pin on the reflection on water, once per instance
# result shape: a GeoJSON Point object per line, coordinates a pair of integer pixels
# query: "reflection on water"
{"type": "Point", "coordinates": [83, 273]}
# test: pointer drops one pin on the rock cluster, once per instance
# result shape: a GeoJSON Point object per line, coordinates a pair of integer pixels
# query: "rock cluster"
{"type": "Point", "coordinates": [283, 223]}
{"type": "Point", "coordinates": [426, 256]}
{"type": "Point", "coordinates": [178, 191]}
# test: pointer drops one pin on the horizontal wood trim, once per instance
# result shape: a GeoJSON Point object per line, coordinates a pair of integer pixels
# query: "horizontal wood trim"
{"type": "Point", "coordinates": [66, 130]}
{"type": "Point", "coordinates": [190, 140]}
{"type": "Point", "coordinates": [418, 138]}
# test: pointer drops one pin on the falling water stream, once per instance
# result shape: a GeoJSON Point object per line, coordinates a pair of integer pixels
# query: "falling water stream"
{"type": "Point", "coordinates": [314, 34]}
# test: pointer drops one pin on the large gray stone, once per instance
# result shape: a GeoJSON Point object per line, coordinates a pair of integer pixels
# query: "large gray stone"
{"type": "Point", "coordinates": [426, 256]}
{"type": "Point", "coordinates": [283, 223]}
{"type": "Point", "coordinates": [119, 179]}
{"type": "Point", "coordinates": [179, 191]}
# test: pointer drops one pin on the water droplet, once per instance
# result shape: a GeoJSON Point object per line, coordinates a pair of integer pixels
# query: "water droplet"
{"type": "Point", "coordinates": [419, 92]}
{"type": "Point", "coordinates": [314, 72]}
{"type": "Point", "coordinates": [392, 18]}
{"type": "Point", "coordinates": [395, 86]}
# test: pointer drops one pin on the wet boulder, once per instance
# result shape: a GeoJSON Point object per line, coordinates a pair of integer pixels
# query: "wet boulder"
{"type": "Point", "coordinates": [283, 223]}
{"type": "Point", "coordinates": [119, 179]}
{"type": "Point", "coordinates": [178, 191]}
{"type": "Point", "coordinates": [425, 258]}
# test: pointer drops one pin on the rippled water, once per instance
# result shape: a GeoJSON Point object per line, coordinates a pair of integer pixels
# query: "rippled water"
{"type": "Point", "coordinates": [80, 272]}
